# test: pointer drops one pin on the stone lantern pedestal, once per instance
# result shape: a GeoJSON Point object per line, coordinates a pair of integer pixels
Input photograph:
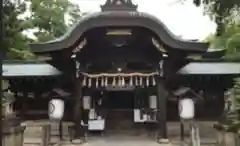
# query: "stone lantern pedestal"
{"type": "Point", "coordinates": [13, 131]}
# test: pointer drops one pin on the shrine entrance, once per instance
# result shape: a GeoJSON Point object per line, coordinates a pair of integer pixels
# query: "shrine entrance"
{"type": "Point", "coordinates": [115, 50]}
{"type": "Point", "coordinates": [119, 107]}
{"type": "Point", "coordinates": [123, 108]}
{"type": "Point", "coordinates": [119, 100]}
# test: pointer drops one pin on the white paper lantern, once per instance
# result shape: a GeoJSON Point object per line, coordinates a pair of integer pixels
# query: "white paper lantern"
{"type": "Point", "coordinates": [86, 102]}
{"type": "Point", "coordinates": [186, 109]}
{"type": "Point", "coordinates": [153, 102]}
{"type": "Point", "coordinates": [56, 109]}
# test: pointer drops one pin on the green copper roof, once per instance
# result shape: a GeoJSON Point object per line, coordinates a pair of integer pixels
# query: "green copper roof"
{"type": "Point", "coordinates": [29, 69]}
{"type": "Point", "coordinates": [213, 68]}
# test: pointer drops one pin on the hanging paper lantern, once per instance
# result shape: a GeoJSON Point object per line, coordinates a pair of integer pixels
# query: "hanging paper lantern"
{"type": "Point", "coordinates": [152, 101]}
{"type": "Point", "coordinates": [55, 109]}
{"type": "Point", "coordinates": [87, 102]}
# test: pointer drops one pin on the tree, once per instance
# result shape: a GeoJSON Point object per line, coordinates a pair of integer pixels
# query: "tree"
{"type": "Point", "coordinates": [221, 11]}
{"type": "Point", "coordinates": [228, 40]}
{"type": "Point", "coordinates": [50, 17]}
{"type": "Point", "coordinates": [14, 40]}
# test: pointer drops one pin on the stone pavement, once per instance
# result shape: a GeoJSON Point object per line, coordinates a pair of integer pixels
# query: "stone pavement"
{"type": "Point", "coordinates": [122, 138]}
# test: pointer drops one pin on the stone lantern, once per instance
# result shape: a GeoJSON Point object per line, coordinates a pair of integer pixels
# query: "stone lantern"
{"type": "Point", "coordinates": [12, 130]}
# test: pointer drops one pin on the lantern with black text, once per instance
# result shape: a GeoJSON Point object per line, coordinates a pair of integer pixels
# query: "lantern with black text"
{"type": "Point", "coordinates": [56, 109]}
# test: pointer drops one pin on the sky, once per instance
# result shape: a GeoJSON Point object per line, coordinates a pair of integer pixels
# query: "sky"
{"type": "Point", "coordinates": [183, 19]}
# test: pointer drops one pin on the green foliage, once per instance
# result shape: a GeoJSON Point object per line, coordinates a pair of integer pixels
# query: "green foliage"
{"type": "Point", "coordinates": [50, 17]}
{"type": "Point", "coordinates": [222, 11]}
{"type": "Point", "coordinates": [229, 40]}
{"type": "Point", "coordinates": [234, 114]}
{"type": "Point", "coordinates": [13, 26]}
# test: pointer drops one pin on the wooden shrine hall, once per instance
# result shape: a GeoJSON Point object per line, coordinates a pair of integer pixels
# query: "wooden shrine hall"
{"type": "Point", "coordinates": [120, 58]}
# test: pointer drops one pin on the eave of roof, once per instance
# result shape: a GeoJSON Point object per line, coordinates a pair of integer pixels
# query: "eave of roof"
{"type": "Point", "coordinates": [211, 68]}
{"type": "Point", "coordinates": [23, 69]}
{"type": "Point", "coordinates": [123, 18]}
{"type": "Point", "coordinates": [33, 68]}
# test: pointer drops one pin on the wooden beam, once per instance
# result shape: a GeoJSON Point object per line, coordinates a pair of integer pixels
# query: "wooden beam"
{"type": "Point", "coordinates": [78, 107]}
{"type": "Point", "coordinates": [162, 108]}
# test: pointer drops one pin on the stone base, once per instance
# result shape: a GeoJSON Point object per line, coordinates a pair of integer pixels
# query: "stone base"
{"type": "Point", "coordinates": [227, 139]}
{"type": "Point", "coordinates": [13, 136]}
{"type": "Point", "coordinates": [163, 141]}
{"type": "Point", "coordinates": [78, 141]}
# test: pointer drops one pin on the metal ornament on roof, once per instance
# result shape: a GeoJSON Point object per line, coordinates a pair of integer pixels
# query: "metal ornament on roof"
{"type": "Point", "coordinates": [161, 72]}
{"type": "Point", "coordinates": [158, 46]}
{"type": "Point", "coordinates": [77, 68]}
{"type": "Point", "coordinates": [119, 5]}
{"type": "Point", "coordinates": [80, 46]}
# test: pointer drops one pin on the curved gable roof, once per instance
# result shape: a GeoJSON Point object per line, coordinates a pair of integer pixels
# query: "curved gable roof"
{"type": "Point", "coordinates": [119, 18]}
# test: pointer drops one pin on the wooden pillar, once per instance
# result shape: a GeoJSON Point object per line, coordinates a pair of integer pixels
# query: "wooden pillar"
{"type": "Point", "coordinates": [78, 108]}
{"type": "Point", "coordinates": [162, 108]}
{"type": "Point", "coordinates": [182, 130]}
{"type": "Point", "coordinates": [24, 104]}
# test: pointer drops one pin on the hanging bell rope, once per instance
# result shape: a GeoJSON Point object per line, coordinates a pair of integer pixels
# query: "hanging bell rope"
{"type": "Point", "coordinates": [119, 81]}
{"type": "Point", "coordinates": [114, 81]}
{"type": "Point", "coordinates": [89, 82]}
{"type": "Point", "coordinates": [96, 82]}
{"type": "Point", "coordinates": [136, 81]}
{"type": "Point", "coordinates": [123, 81]}
{"type": "Point", "coordinates": [77, 75]}
{"type": "Point", "coordinates": [131, 81]}
{"type": "Point", "coordinates": [84, 81]}
{"type": "Point", "coordinates": [106, 81]}
{"type": "Point", "coordinates": [102, 81]}
{"type": "Point", "coordinates": [141, 81]}
{"type": "Point", "coordinates": [147, 81]}
{"type": "Point", "coordinates": [153, 81]}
